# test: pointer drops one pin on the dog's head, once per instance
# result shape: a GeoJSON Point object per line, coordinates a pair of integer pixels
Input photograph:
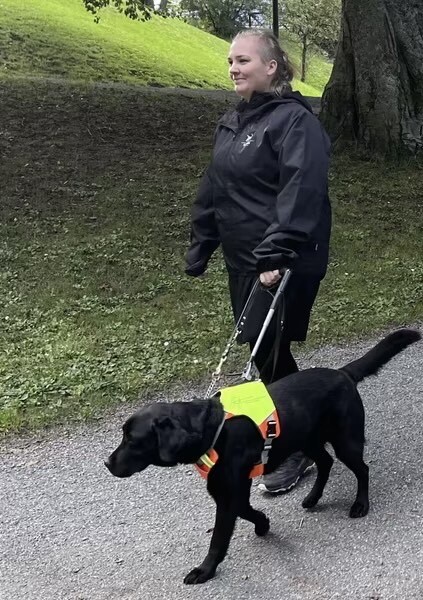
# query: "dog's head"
{"type": "Point", "coordinates": [164, 435]}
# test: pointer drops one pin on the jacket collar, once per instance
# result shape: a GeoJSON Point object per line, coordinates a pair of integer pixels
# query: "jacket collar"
{"type": "Point", "coordinates": [259, 104]}
{"type": "Point", "coordinates": [257, 100]}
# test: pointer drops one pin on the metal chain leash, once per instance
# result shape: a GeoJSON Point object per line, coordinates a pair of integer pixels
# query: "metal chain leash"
{"type": "Point", "coordinates": [217, 374]}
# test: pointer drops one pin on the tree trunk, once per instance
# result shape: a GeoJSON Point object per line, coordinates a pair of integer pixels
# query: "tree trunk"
{"type": "Point", "coordinates": [303, 58]}
{"type": "Point", "coordinates": [163, 5]}
{"type": "Point", "coordinates": [375, 94]}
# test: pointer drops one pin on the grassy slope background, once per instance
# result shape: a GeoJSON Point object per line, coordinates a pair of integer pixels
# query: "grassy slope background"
{"type": "Point", "coordinates": [97, 182]}
{"type": "Point", "coordinates": [60, 38]}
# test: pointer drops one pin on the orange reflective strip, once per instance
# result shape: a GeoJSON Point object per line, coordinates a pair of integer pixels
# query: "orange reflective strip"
{"type": "Point", "coordinates": [256, 471]}
{"type": "Point", "coordinates": [203, 471]}
{"type": "Point", "coordinates": [208, 460]}
{"type": "Point", "coordinates": [206, 463]}
{"type": "Point", "coordinates": [213, 456]}
{"type": "Point", "coordinates": [263, 426]}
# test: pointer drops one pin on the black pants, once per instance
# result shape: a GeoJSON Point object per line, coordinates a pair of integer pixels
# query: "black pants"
{"type": "Point", "coordinates": [270, 370]}
{"type": "Point", "coordinates": [298, 300]}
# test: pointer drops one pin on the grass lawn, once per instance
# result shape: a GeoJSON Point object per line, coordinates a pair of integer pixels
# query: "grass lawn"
{"type": "Point", "coordinates": [96, 188]}
{"type": "Point", "coordinates": [59, 38]}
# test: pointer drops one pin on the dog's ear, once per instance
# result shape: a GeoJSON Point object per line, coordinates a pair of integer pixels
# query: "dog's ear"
{"type": "Point", "coordinates": [175, 443]}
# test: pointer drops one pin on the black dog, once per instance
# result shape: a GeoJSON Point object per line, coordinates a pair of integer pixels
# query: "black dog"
{"type": "Point", "coordinates": [315, 406]}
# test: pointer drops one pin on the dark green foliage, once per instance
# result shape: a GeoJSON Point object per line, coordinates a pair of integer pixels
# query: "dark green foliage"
{"type": "Point", "coordinates": [134, 9]}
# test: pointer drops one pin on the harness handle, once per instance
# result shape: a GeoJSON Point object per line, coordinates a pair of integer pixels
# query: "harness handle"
{"type": "Point", "coordinates": [281, 288]}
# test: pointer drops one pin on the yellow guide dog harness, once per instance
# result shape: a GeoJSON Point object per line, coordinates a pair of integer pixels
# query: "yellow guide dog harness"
{"type": "Point", "coordinates": [252, 400]}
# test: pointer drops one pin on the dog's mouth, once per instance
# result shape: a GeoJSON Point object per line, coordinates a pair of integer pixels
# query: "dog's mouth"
{"type": "Point", "coordinates": [123, 471]}
{"type": "Point", "coordinates": [115, 470]}
{"type": "Point", "coordinates": [121, 475]}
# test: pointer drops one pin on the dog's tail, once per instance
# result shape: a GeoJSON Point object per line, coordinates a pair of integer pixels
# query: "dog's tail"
{"type": "Point", "coordinates": [372, 361]}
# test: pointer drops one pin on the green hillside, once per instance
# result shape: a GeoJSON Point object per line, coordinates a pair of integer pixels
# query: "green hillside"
{"type": "Point", "coordinates": [97, 183]}
{"type": "Point", "coordinates": [59, 38]}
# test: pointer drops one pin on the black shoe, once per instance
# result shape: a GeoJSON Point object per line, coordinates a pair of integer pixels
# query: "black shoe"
{"type": "Point", "coordinates": [287, 475]}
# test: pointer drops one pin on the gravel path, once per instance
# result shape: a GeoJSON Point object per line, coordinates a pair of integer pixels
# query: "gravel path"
{"type": "Point", "coordinates": [70, 530]}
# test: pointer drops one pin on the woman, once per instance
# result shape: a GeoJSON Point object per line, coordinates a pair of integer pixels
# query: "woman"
{"type": "Point", "coordinates": [264, 197]}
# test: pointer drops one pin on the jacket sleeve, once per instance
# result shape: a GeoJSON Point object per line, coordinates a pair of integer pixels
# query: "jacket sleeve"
{"type": "Point", "coordinates": [204, 235]}
{"type": "Point", "coordinates": [303, 158]}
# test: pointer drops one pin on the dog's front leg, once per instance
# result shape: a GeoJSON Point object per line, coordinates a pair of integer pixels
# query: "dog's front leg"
{"type": "Point", "coordinates": [226, 514]}
{"type": "Point", "coordinates": [246, 511]}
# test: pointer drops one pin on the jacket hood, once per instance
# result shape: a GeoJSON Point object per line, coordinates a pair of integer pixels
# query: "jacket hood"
{"type": "Point", "coordinates": [260, 103]}
{"type": "Point", "coordinates": [297, 97]}
{"type": "Point", "coordinates": [259, 99]}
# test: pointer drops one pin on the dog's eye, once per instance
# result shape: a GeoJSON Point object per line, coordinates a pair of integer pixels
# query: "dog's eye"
{"type": "Point", "coordinates": [125, 438]}
{"type": "Point", "coordinates": [129, 440]}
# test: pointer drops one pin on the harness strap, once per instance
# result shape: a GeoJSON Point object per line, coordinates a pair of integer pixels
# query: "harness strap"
{"type": "Point", "coordinates": [271, 433]}
{"type": "Point", "coordinates": [254, 401]}
{"type": "Point", "coordinates": [280, 321]}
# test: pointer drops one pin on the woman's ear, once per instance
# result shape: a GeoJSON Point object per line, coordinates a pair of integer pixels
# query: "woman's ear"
{"type": "Point", "coordinates": [271, 69]}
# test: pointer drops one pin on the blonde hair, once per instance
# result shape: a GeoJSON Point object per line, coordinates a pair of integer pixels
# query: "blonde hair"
{"type": "Point", "coordinates": [271, 50]}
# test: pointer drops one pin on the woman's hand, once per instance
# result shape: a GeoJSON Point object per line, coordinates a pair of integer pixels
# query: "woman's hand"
{"type": "Point", "coordinates": [269, 278]}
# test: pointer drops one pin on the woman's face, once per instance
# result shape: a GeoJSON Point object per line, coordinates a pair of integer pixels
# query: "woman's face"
{"type": "Point", "coordinates": [247, 69]}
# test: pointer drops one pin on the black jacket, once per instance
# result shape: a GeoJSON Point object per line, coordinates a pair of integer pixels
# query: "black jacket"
{"type": "Point", "coordinates": [264, 196]}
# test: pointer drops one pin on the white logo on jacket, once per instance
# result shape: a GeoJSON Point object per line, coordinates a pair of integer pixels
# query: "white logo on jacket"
{"type": "Point", "coordinates": [248, 140]}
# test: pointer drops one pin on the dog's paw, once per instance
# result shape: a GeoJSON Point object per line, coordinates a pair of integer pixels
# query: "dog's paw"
{"type": "Point", "coordinates": [310, 501]}
{"type": "Point", "coordinates": [263, 526]}
{"type": "Point", "coordinates": [198, 575]}
{"type": "Point", "coordinates": [359, 509]}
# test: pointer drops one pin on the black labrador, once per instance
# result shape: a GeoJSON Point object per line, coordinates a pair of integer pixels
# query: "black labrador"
{"type": "Point", "coordinates": [315, 406]}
